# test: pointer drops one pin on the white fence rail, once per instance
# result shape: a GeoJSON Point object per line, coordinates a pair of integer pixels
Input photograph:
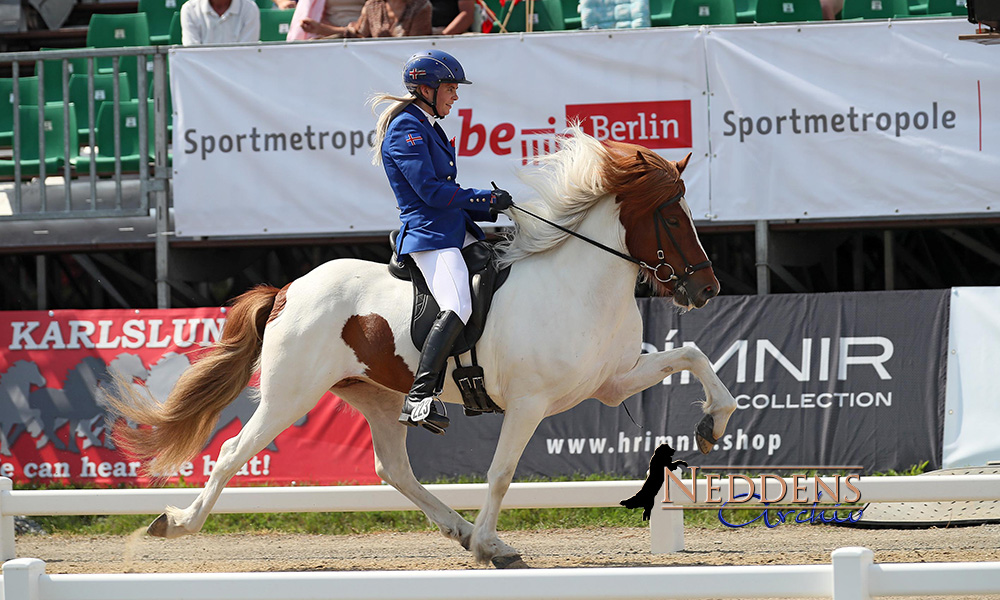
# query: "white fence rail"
{"type": "Point", "coordinates": [851, 576]}
{"type": "Point", "coordinates": [354, 498]}
{"type": "Point", "coordinates": [667, 525]}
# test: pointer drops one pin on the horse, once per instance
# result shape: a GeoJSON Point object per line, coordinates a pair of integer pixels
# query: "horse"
{"type": "Point", "coordinates": [16, 412]}
{"type": "Point", "coordinates": [564, 328]}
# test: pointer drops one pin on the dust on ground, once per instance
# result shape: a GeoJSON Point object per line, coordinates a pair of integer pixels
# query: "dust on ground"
{"type": "Point", "coordinates": [555, 548]}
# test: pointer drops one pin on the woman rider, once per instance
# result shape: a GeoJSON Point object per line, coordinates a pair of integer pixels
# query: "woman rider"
{"type": "Point", "coordinates": [438, 215]}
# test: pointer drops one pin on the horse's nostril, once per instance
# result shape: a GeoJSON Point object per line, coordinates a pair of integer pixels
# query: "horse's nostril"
{"type": "Point", "coordinates": [710, 291]}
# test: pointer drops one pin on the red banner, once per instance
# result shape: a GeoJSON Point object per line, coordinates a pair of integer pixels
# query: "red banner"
{"type": "Point", "coordinates": [52, 427]}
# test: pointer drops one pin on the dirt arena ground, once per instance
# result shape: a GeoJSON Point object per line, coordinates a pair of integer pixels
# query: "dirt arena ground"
{"type": "Point", "coordinates": [563, 548]}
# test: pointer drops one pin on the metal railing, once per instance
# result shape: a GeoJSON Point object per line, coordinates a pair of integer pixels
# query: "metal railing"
{"type": "Point", "coordinates": [87, 194]}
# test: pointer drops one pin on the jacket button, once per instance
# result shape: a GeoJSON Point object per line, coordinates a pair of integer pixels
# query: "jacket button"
{"type": "Point", "coordinates": [451, 163]}
{"type": "Point", "coordinates": [449, 178]}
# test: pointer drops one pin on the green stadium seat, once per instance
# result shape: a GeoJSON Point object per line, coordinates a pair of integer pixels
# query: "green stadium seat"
{"type": "Point", "coordinates": [103, 92]}
{"type": "Point", "coordinates": [944, 8]}
{"type": "Point", "coordinates": [117, 31]}
{"type": "Point", "coordinates": [266, 5]}
{"type": "Point", "coordinates": [274, 24]}
{"type": "Point", "coordinates": [175, 30]}
{"type": "Point", "coordinates": [55, 151]}
{"type": "Point", "coordinates": [131, 153]}
{"type": "Point", "coordinates": [746, 10]}
{"type": "Point", "coordinates": [788, 11]}
{"type": "Point", "coordinates": [703, 12]}
{"type": "Point", "coordinates": [27, 94]}
{"type": "Point", "coordinates": [659, 12]}
{"type": "Point", "coordinates": [548, 13]}
{"type": "Point", "coordinates": [874, 9]}
{"type": "Point", "coordinates": [53, 75]}
{"type": "Point", "coordinates": [159, 16]}
{"type": "Point", "coordinates": [571, 14]}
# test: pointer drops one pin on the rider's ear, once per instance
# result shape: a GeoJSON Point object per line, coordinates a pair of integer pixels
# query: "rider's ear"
{"type": "Point", "coordinates": [681, 164]}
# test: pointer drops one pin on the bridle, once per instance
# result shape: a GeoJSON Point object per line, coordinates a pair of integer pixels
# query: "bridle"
{"type": "Point", "coordinates": [660, 222]}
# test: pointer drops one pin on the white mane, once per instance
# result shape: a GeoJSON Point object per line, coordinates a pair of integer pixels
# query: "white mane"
{"type": "Point", "coordinates": [568, 182]}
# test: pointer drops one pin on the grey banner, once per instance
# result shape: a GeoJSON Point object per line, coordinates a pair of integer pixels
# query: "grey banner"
{"type": "Point", "coordinates": [825, 379]}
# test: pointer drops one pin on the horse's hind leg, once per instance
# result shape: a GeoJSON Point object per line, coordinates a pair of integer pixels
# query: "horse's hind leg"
{"type": "Point", "coordinates": [272, 417]}
{"type": "Point", "coordinates": [381, 408]}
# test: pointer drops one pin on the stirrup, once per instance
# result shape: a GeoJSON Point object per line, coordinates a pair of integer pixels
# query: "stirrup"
{"type": "Point", "coordinates": [423, 413]}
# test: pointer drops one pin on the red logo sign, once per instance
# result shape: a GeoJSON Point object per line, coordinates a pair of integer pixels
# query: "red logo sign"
{"type": "Point", "coordinates": [663, 124]}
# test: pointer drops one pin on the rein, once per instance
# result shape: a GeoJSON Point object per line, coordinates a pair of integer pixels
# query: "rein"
{"type": "Point", "coordinates": [689, 269]}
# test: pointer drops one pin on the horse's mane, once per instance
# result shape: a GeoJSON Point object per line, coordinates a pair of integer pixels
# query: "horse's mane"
{"type": "Point", "coordinates": [568, 182]}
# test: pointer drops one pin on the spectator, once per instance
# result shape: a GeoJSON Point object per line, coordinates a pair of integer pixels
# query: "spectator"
{"type": "Point", "coordinates": [831, 8]}
{"type": "Point", "coordinates": [452, 17]}
{"type": "Point", "coordinates": [219, 22]}
{"type": "Point", "coordinates": [380, 18]}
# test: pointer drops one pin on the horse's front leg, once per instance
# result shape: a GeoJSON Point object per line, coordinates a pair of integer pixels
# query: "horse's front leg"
{"type": "Point", "coordinates": [519, 423]}
{"type": "Point", "coordinates": [651, 369]}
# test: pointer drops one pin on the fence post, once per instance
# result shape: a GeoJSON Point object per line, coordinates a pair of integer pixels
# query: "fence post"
{"type": "Point", "coordinates": [20, 578]}
{"type": "Point", "coordinates": [7, 550]}
{"type": "Point", "coordinates": [666, 526]}
{"type": "Point", "coordinates": [850, 573]}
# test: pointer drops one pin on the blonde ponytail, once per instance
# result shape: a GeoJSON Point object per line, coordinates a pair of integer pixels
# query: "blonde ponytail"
{"type": "Point", "coordinates": [396, 105]}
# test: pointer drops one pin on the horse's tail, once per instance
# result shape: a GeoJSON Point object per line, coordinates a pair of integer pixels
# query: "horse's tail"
{"type": "Point", "coordinates": [171, 433]}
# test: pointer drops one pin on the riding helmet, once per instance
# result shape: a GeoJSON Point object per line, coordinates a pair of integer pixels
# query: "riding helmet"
{"type": "Point", "coordinates": [432, 68]}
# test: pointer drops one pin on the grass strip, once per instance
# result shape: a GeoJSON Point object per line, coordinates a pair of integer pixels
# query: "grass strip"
{"type": "Point", "coordinates": [337, 523]}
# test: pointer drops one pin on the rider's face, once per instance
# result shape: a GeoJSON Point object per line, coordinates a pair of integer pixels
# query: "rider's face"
{"type": "Point", "coordinates": [447, 95]}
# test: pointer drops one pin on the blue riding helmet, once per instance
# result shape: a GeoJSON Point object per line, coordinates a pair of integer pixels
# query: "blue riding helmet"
{"type": "Point", "coordinates": [432, 68]}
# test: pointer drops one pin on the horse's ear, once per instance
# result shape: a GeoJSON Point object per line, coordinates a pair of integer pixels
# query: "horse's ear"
{"type": "Point", "coordinates": [681, 164]}
{"type": "Point", "coordinates": [639, 157]}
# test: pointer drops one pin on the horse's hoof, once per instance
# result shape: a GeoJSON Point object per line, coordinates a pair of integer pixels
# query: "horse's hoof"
{"type": "Point", "coordinates": [158, 528]}
{"type": "Point", "coordinates": [512, 561]}
{"type": "Point", "coordinates": [704, 436]}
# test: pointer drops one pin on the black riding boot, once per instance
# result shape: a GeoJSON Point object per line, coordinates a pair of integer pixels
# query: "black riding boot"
{"type": "Point", "coordinates": [418, 407]}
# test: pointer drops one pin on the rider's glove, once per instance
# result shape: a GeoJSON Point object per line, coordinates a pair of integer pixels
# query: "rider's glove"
{"type": "Point", "coordinates": [501, 200]}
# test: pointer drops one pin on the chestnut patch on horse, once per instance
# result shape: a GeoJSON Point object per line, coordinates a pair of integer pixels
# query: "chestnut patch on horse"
{"type": "Point", "coordinates": [371, 339]}
{"type": "Point", "coordinates": [279, 303]}
{"type": "Point", "coordinates": [642, 180]}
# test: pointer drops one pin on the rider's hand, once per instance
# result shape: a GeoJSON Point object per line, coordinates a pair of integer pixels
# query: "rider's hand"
{"type": "Point", "coordinates": [501, 200]}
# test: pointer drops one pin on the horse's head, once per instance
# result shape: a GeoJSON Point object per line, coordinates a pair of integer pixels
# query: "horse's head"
{"type": "Point", "coordinates": [659, 229]}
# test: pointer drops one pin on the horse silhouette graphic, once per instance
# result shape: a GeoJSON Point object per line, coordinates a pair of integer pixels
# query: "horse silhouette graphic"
{"type": "Point", "coordinates": [29, 404]}
{"type": "Point", "coordinates": [16, 413]}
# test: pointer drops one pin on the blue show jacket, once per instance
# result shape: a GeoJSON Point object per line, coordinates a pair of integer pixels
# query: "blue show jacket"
{"type": "Point", "coordinates": [420, 164]}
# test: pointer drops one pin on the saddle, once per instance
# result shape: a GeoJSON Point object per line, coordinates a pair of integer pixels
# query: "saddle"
{"type": "Point", "coordinates": [484, 279]}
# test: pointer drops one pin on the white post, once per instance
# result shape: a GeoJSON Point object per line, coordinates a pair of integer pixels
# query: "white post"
{"type": "Point", "coordinates": [7, 550]}
{"type": "Point", "coordinates": [850, 573]}
{"type": "Point", "coordinates": [20, 578]}
{"type": "Point", "coordinates": [666, 526]}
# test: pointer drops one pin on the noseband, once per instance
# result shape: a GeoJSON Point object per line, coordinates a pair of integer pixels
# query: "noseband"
{"type": "Point", "coordinates": [661, 221]}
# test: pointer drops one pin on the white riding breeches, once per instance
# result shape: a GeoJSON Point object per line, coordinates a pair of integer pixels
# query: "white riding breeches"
{"type": "Point", "coordinates": [447, 276]}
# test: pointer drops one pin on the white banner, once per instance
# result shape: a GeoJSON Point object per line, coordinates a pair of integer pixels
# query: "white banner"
{"type": "Point", "coordinates": [848, 120]}
{"type": "Point", "coordinates": [275, 139]}
{"type": "Point", "coordinates": [972, 400]}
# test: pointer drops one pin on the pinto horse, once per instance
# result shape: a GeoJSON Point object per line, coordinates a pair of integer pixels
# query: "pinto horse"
{"type": "Point", "coordinates": [564, 328]}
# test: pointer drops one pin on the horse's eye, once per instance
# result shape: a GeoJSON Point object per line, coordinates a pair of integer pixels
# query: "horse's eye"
{"type": "Point", "coordinates": [673, 222]}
